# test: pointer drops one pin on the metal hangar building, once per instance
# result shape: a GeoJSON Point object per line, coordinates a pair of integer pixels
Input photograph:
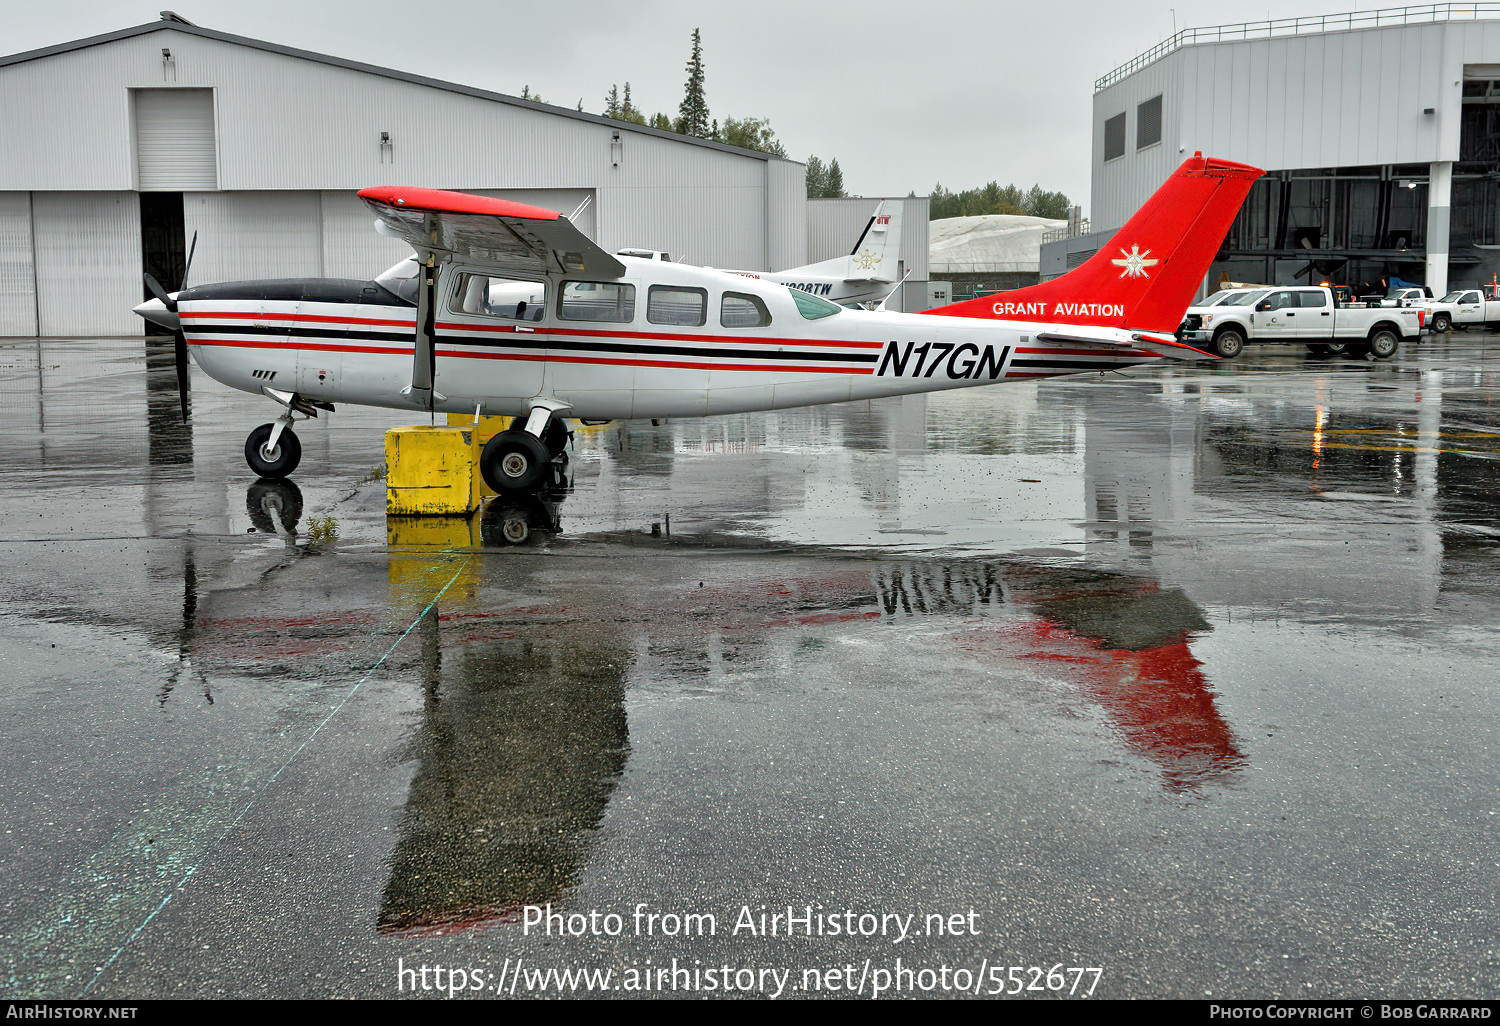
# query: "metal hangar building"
{"type": "Point", "coordinates": [1379, 130]}
{"type": "Point", "coordinates": [120, 146]}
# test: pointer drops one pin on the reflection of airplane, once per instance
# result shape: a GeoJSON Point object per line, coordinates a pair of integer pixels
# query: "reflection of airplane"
{"type": "Point", "coordinates": [869, 273]}
{"type": "Point", "coordinates": [508, 309]}
{"type": "Point", "coordinates": [523, 733]}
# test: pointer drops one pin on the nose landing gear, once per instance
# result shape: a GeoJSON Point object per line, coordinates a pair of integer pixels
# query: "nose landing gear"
{"type": "Point", "coordinates": [272, 450]}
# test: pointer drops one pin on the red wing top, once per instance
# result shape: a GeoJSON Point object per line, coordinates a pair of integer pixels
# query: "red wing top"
{"type": "Point", "coordinates": [498, 233]}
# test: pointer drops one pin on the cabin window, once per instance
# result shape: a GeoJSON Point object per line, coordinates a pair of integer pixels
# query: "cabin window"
{"type": "Point", "coordinates": [740, 310]}
{"type": "Point", "coordinates": [677, 305]}
{"type": "Point", "coordinates": [812, 307]}
{"type": "Point", "coordinates": [510, 299]}
{"type": "Point", "coordinates": [610, 301]}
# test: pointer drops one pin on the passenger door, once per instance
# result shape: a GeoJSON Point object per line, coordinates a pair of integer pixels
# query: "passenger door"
{"type": "Point", "coordinates": [1275, 317]}
{"type": "Point", "coordinates": [1469, 309]}
{"type": "Point", "coordinates": [490, 336]}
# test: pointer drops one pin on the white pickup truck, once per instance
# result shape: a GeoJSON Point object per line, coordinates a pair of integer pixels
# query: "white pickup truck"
{"type": "Point", "coordinates": [1305, 314]}
{"type": "Point", "coordinates": [1463, 308]}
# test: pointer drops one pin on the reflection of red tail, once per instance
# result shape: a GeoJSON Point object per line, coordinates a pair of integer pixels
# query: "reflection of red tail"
{"type": "Point", "coordinates": [1149, 272]}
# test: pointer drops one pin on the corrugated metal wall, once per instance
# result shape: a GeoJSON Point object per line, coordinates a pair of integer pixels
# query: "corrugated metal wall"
{"type": "Point", "coordinates": [17, 288]}
{"type": "Point", "coordinates": [88, 262]}
{"type": "Point", "coordinates": [1332, 99]}
{"type": "Point", "coordinates": [254, 235]}
{"type": "Point", "coordinates": [295, 135]}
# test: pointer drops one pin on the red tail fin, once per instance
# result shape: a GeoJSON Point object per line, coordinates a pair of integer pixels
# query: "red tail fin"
{"type": "Point", "coordinates": [1149, 272]}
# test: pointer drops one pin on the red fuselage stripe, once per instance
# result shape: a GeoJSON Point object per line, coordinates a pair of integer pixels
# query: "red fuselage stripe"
{"type": "Point", "coordinates": [531, 357]}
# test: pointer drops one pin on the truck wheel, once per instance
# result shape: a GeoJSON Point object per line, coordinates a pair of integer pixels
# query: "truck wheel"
{"type": "Point", "coordinates": [1336, 348]}
{"type": "Point", "coordinates": [1383, 343]}
{"type": "Point", "coordinates": [1228, 342]}
{"type": "Point", "coordinates": [1441, 323]}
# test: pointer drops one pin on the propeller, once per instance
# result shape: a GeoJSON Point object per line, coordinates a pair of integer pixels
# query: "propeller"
{"type": "Point", "coordinates": [179, 340]}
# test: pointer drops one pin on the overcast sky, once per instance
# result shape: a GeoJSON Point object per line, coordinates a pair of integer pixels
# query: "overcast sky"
{"type": "Point", "coordinates": [903, 94]}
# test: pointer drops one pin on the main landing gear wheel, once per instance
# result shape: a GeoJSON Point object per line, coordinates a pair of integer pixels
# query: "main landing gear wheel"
{"type": "Point", "coordinates": [515, 462]}
{"type": "Point", "coordinates": [272, 464]}
{"type": "Point", "coordinates": [1228, 343]}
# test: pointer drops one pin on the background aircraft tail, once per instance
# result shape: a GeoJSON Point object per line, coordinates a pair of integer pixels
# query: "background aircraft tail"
{"type": "Point", "coordinates": [876, 255]}
{"type": "Point", "coordinates": [1148, 273]}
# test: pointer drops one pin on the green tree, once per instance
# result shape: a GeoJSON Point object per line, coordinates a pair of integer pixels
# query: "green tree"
{"type": "Point", "coordinates": [835, 179]}
{"type": "Point", "coordinates": [692, 113]}
{"type": "Point", "coordinates": [612, 102]}
{"type": "Point", "coordinates": [628, 110]}
{"type": "Point", "coordinates": [824, 181]}
{"type": "Point", "coordinates": [663, 122]}
{"type": "Point", "coordinates": [994, 198]}
{"type": "Point", "coordinates": [817, 177]}
{"type": "Point", "coordinates": [752, 134]}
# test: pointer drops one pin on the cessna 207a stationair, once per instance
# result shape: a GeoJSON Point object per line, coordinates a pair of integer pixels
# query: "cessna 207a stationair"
{"type": "Point", "coordinates": [508, 309]}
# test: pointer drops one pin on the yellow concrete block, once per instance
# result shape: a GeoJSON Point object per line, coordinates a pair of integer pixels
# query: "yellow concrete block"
{"type": "Point", "coordinates": [487, 428]}
{"type": "Point", "coordinates": [430, 470]}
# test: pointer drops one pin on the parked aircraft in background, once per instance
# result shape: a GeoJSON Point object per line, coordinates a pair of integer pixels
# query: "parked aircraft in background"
{"type": "Point", "coordinates": [870, 273]}
{"type": "Point", "coordinates": [508, 309]}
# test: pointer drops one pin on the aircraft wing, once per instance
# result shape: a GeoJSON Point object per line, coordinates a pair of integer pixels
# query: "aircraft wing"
{"type": "Point", "coordinates": [499, 233]}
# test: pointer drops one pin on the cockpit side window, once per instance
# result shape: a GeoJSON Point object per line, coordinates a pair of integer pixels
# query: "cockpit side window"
{"type": "Point", "coordinates": [742, 310]}
{"type": "Point", "coordinates": [677, 305]}
{"type": "Point", "coordinates": [608, 301]}
{"type": "Point", "coordinates": [509, 299]}
{"type": "Point", "coordinates": [812, 307]}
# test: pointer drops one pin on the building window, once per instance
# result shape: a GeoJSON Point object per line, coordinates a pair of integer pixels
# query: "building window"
{"type": "Point", "coordinates": [1114, 137]}
{"type": "Point", "coordinates": [1147, 124]}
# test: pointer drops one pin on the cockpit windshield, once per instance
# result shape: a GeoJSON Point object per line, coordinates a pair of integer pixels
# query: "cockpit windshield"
{"type": "Point", "coordinates": [401, 279]}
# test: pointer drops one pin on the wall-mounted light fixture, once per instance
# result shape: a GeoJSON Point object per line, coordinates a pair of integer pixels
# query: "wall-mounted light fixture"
{"type": "Point", "coordinates": [1429, 110]}
{"type": "Point", "coordinates": [168, 66]}
{"type": "Point", "coordinates": [387, 148]}
{"type": "Point", "coordinates": [616, 149]}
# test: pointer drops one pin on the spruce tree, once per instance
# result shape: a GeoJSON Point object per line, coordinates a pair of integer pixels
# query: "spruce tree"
{"type": "Point", "coordinates": [692, 114]}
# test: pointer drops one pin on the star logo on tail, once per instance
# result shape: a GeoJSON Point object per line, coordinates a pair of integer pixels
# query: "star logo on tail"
{"type": "Point", "coordinates": [1135, 263]}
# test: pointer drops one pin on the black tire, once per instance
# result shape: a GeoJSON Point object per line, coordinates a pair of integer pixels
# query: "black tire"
{"type": "Point", "coordinates": [270, 501]}
{"type": "Point", "coordinates": [1383, 343]}
{"type": "Point", "coordinates": [272, 466]}
{"type": "Point", "coordinates": [1442, 322]}
{"type": "Point", "coordinates": [1229, 342]}
{"type": "Point", "coordinates": [1336, 348]}
{"type": "Point", "coordinates": [514, 462]}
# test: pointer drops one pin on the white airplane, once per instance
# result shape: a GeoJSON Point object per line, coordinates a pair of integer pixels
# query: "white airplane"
{"type": "Point", "coordinates": [508, 309]}
{"type": "Point", "coordinates": [868, 274]}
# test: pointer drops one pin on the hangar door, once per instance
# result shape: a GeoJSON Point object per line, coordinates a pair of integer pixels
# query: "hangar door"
{"type": "Point", "coordinates": [174, 140]}
{"type": "Point", "coordinates": [88, 262]}
{"type": "Point", "coordinates": [17, 295]}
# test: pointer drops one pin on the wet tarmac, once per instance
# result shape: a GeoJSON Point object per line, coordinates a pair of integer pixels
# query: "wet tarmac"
{"type": "Point", "coordinates": [1188, 675]}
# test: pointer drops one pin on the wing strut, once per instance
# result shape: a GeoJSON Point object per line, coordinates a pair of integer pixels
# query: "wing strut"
{"type": "Point", "coordinates": [424, 356]}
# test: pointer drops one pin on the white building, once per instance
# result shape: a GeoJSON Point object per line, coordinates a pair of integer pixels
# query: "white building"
{"type": "Point", "coordinates": [1379, 130]}
{"type": "Point", "coordinates": [119, 147]}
